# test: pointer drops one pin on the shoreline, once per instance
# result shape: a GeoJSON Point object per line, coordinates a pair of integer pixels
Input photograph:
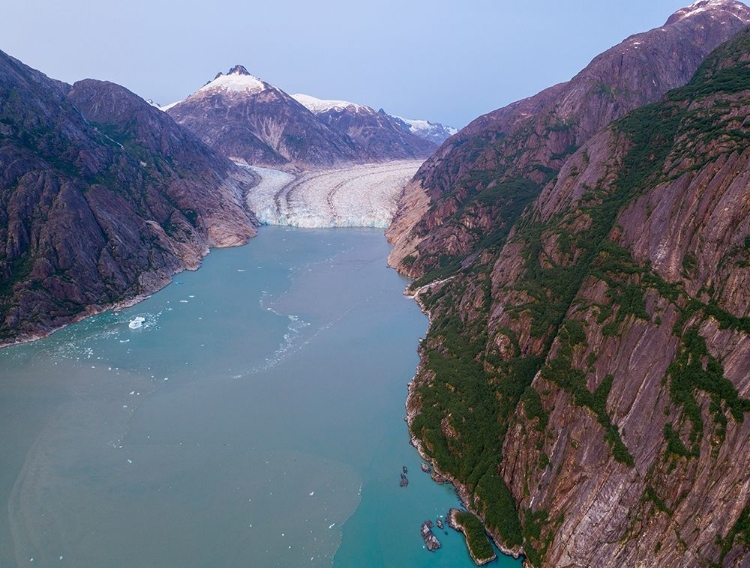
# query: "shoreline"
{"type": "Point", "coordinates": [411, 412]}
{"type": "Point", "coordinates": [457, 526]}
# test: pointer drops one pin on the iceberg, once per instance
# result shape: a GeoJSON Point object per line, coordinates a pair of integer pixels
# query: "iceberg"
{"type": "Point", "coordinates": [136, 322]}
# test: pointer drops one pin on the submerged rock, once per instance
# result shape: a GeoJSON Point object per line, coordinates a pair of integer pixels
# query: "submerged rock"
{"type": "Point", "coordinates": [404, 481]}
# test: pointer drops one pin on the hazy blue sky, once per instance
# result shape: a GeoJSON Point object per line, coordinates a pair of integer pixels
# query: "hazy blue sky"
{"type": "Point", "coordinates": [444, 60]}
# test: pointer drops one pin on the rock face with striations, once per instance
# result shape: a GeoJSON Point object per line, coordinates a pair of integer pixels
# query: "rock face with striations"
{"type": "Point", "coordinates": [482, 177]}
{"type": "Point", "coordinates": [102, 198]}
{"type": "Point", "coordinates": [585, 378]}
{"type": "Point", "coordinates": [251, 121]}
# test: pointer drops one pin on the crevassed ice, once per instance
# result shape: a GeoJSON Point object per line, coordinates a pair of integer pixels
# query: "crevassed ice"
{"type": "Point", "coordinates": [354, 196]}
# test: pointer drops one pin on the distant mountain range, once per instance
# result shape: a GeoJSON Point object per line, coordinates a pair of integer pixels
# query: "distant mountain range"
{"type": "Point", "coordinates": [251, 121]}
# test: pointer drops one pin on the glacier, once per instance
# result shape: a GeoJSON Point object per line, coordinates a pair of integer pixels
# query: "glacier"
{"type": "Point", "coordinates": [363, 195]}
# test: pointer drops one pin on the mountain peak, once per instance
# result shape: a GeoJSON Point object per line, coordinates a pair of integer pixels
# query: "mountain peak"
{"type": "Point", "coordinates": [239, 70]}
{"type": "Point", "coordinates": [238, 79]}
{"type": "Point", "coordinates": [728, 6]}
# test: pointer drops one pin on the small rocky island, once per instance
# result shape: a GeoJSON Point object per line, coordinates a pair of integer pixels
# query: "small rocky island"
{"type": "Point", "coordinates": [480, 548]}
{"type": "Point", "coordinates": [430, 540]}
{"type": "Point", "coordinates": [404, 480]}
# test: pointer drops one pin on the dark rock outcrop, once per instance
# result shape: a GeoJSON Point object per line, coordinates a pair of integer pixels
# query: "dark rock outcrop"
{"type": "Point", "coordinates": [404, 481]}
{"type": "Point", "coordinates": [102, 199]}
{"type": "Point", "coordinates": [430, 540]}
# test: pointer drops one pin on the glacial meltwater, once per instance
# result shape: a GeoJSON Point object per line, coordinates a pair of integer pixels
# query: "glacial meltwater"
{"type": "Point", "coordinates": [249, 414]}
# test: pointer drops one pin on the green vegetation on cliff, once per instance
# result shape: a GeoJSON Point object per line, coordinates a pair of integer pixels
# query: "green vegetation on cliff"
{"type": "Point", "coordinates": [476, 538]}
{"type": "Point", "coordinates": [493, 333]}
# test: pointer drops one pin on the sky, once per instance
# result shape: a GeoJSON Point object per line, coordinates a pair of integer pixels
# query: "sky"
{"type": "Point", "coordinates": [442, 60]}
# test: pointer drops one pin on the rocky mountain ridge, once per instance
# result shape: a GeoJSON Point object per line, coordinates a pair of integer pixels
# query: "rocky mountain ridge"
{"type": "Point", "coordinates": [253, 122]}
{"type": "Point", "coordinates": [432, 131]}
{"type": "Point", "coordinates": [102, 199]}
{"type": "Point", "coordinates": [378, 135]}
{"type": "Point", "coordinates": [526, 143]}
{"type": "Point", "coordinates": [585, 377]}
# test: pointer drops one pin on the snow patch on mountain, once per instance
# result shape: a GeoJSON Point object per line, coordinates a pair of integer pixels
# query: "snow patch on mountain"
{"type": "Point", "coordinates": [165, 108]}
{"type": "Point", "coordinates": [433, 131]}
{"type": "Point", "coordinates": [238, 80]}
{"type": "Point", "coordinates": [317, 106]}
{"type": "Point", "coordinates": [356, 196]}
{"type": "Point", "coordinates": [703, 6]}
{"type": "Point", "coordinates": [427, 126]}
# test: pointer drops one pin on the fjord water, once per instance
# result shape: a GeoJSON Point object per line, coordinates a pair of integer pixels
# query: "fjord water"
{"type": "Point", "coordinates": [254, 419]}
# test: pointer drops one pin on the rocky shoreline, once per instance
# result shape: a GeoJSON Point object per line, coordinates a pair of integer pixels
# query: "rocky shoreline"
{"type": "Point", "coordinates": [96, 309]}
{"type": "Point", "coordinates": [455, 525]}
{"type": "Point", "coordinates": [412, 409]}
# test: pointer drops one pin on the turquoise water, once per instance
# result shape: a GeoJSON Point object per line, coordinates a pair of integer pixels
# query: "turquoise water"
{"type": "Point", "coordinates": [254, 419]}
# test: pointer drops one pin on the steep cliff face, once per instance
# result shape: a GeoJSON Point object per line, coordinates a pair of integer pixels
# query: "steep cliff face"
{"type": "Point", "coordinates": [251, 121]}
{"type": "Point", "coordinates": [529, 141]}
{"type": "Point", "coordinates": [377, 135]}
{"type": "Point", "coordinates": [102, 198]}
{"type": "Point", "coordinates": [587, 380]}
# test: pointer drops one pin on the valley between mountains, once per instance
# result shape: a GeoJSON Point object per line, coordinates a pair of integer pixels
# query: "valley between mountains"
{"type": "Point", "coordinates": [583, 256]}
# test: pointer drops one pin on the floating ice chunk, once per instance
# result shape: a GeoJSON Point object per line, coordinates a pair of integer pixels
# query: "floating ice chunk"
{"type": "Point", "coordinates": [331, 526]}
{"type": "Point", "coordinates": [312, 493]}
{"type": "Point", "coordinates": [183, 301]}
{"type": "Point", "coordinates": [136, 322]}
{"type": "Point", "coordinates": [130, 461]}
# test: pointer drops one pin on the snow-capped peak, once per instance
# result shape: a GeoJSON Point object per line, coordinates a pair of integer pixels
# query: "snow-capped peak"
{"type": "Point", "coordinates": [238, 80]}
{"type": "Point", "coordinates": [704, 6]}
{"type": "Point", "coordinates": [317, 106]}
{"type": "Point", "coordinates": [433, 131]}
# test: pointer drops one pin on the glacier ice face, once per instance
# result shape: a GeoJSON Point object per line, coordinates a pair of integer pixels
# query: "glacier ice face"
{"type": "Point", "coordinates": [354, 196]}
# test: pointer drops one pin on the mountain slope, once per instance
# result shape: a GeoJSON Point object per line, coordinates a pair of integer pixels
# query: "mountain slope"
{"type": "Point", "coordinates": [377, 135]}
{"type": "Point", "coordinates": [585, 377]}
{"type": "Point", "coordinates": [98, 211]}
{"type": "Point", "coordinates": [645, 389]}
{"type": "Point", "coordinates": [526, 143]}
{"type": "Point", "coordinates": [248, 120]}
